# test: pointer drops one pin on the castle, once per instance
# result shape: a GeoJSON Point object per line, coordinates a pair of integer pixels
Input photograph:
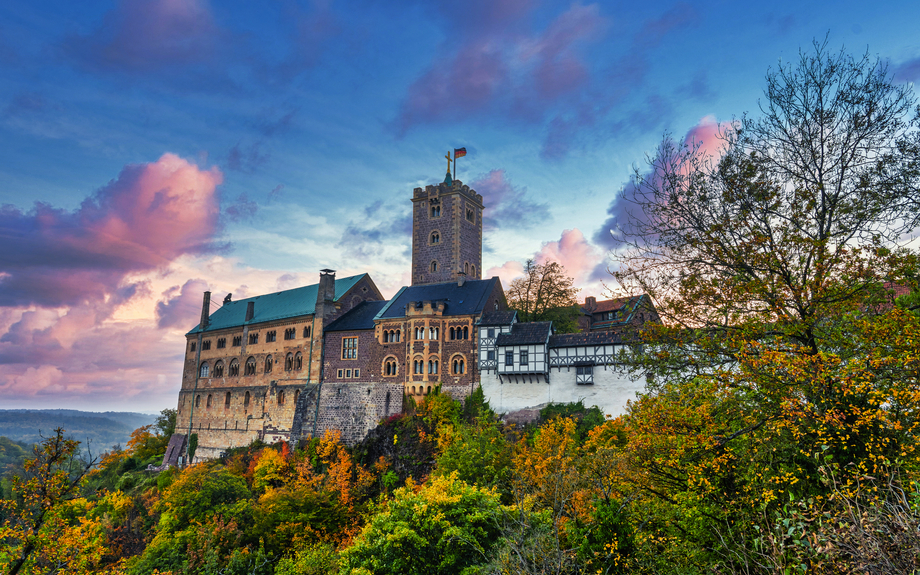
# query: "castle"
{"type": "Point", "coordinates": [337, 355]}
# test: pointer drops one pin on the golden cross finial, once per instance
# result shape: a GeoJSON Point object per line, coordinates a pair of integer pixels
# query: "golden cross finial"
{"type": "Point", "coordinates": [448, 161]}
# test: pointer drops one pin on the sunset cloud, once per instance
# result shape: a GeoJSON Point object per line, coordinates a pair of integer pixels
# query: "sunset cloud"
{"type": "Point", "coordinates": [148, 216]}
{"type": "Point", "coordinates": [506, 204]}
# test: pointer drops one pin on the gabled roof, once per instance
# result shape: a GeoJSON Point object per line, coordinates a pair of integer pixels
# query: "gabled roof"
{"type": "Point", "coordinates": [526, 333]}
{"type": "Point", "coordinates": [590, 338]}
{"type": "Point", "coordinates": [613, 304]}
{"type": "Point", "coordinates": [468, 299]}
{"type": "Point", "coordinates": [493, 318]}
{"type": "Point", "coordinates": [279, 305]}
{"type": "Point", "coordinates": [359, 317]}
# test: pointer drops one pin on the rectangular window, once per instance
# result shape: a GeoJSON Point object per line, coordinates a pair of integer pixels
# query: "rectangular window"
{"type": "Point", "coordinates": [349, 348]}
{"type": "Point", "coordinates": [221, 343]}
{"type": "Point", "coordinates": [237, 340]}
{"type": "Point", "coordinates": [490, 354]}
{"type": "Point", "coordinates": [270, 336]}
{"type": "Point", "coordinates": [357, 373]}
{"type": "Point", "coordinates": [523, 357]}
{"type": "Point", "coordinates": [347, 373]}
{"type": "Point", "coordinates": [584, 370]}
{"type": "Point", "coordinates": [206, 345]}
{"type": "Point", "coordinates": [491, 332]}
{"type": "Point", "coordinates": [194, 346]}
{"type": "Point", "coordinates": [509, 358]}
{"type": "Point", "coordinates": [340, 374]}
{"type": "Point", "coordinates": [253, 338]}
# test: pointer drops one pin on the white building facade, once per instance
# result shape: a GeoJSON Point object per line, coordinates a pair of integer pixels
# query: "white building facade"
{"type": "Point", "coordinates": [526, 366]}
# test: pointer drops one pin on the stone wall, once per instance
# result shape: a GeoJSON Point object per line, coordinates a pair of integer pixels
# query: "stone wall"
{"type": "Point", "coordinates": [353, 408]}
{"type": "Point", "coordinates": [613, 387]}
{"type": "Point", "coordinates": [460, 238]}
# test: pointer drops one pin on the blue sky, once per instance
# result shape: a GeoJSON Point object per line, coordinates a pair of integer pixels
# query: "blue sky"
{"type": "Point", "coordinates": [151, 150]}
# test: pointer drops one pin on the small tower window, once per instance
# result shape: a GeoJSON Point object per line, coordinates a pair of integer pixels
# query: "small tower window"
{"type": "Point", "coordinates": [470, 215]}
{"type": "Point", "coordinates": [435, 238]}
{"type": "Point", "coordinates": [473, 272]}
{"type": "Point", "coordinates": [204, 370]}
{"type": "Point", "coordinates": [435, 210]}
{"type": "Point", "coordinates": [193, 346]}
{"type": "Point", "coordinates": [246, 400]}
{"type": "Point", "coordinates": [434, 267]}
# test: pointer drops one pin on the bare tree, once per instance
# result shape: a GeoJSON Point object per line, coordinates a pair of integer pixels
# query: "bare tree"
{"type": "Point", "coordinates": [544, 289]}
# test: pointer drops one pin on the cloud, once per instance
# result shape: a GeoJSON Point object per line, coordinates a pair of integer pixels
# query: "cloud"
{"type": "Point", "coordinates": [148, 216]}
{"type": "Point", "coordinates": [181, 306]}
{"type": "Point", "coordinates": [908, 71]}
{"type": "Point", "coordinates": [507, 205]}
{"type": "Point", "coordinates": [381, 228]}
{"type": "Point", "coordinates": [573, 251]}
{"type": "Point", "coordinates": [247, 159]}
{"type": "Point", "coordinates": [144, 35]}
{"type": "Point", "coordinates": [505, 69]}
{"type": "Point", "coordinates": [242, 209]}
{"type": "Point", "coordinates": [707, 134]}
{"type": "Point", "coordinates": [507, 272]}
{"type": "Point", "coordinates": [276, 193]}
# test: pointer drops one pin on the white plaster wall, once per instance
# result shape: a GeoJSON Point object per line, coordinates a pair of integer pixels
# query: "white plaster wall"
{"type": "Point", "coordinates": [611, 390]}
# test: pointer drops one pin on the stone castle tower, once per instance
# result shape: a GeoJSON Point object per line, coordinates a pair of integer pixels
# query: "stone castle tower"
{"type": "Point", "coordinates": [446, 233]}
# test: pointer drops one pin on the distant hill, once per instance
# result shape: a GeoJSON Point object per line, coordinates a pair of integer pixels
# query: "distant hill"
{"type": "Point", "coordinates": [100, 430]}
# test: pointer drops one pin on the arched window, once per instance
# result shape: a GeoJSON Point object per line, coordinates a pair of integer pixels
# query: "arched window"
{"type": "Point", "coordinates": [432, 333]}
{"type": "Point", "coordinates": [413, 390]}
{"type": "Point", "coordinates": [227, 400]}
{"type": "Point", "coordinates": [234, 368]}
{"type": "Point", "coordinates": [434, 267]}
{"type": "Point", "coordinates": [397, 335]}
{"type": "Point", "coordinates": [472, 271]}
{"type": "Point", "coordinates": [466, 268]}
{"type": "Point", "coordinates": [269, 363]}
{"type": "Point", "coordinates": [219, 369]}
{"type": "Point", "coordinates": [452, 333]}
{"type": "Point", "coordinates": [281, 397]}
{"type": "Point", "coordinates": [250, 366]}
{"type": "Point", "coordinates": [246, 400]}
{"type": "Point", "coordinates": [306, 331]}
{"type": "Point", "coordinates": [296, 396]}
{"type": "Point", "coordinates": [466, 332]}
{"type": "Point", "coordinates": [435, 238]}
{"type": "Point", "coordinates": [289, 362]}
{"type": "Point", "coordinates": [429, 390]}
{"type": "Point", "coordinates": [204, 370]}
{"type": "Point", "coordinates": [433, 366]}
{"type": "Point", "coordinates": [459, 365]}
{"type": "Point", "coordinates": [390, 367]}
{"type": "Point", "coordinates": [298, 361]}
{"type": "Point", "coordinates": [208, 404]}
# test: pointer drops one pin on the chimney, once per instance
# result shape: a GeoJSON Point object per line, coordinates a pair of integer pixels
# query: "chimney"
{"type": "Point", "coordinates": [325, 293]}
{"type": "Point", "coordinates": [250, 310]}
{"type": "Point", "coordinates": [461, 279]}
{"type": "Point", "coordinates": [590, 303]}
{"type": "Point", "coordinates": [205, 311]}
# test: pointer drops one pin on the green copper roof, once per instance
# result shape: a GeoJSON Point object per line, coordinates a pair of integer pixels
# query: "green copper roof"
{"type": "Point", "coordinates": [279, 305]}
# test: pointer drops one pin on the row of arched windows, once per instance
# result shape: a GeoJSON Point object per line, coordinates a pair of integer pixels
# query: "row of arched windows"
{"type": "Point", "coordinates": [292, 362]}
{"type": "Point", "coordinates": [460, 332]}
{"type": "Point", "coordinates": [209, 400]}
{"type": "Point", "coordinates": [391, 336]}
{"type": "Point", "coordinates": [431, 332]}
{"type": "Point", "coordinates": [420, 366]}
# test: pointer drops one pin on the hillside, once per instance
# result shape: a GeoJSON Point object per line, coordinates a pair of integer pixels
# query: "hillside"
{"type": "Point", "coordinates": [100, 430]}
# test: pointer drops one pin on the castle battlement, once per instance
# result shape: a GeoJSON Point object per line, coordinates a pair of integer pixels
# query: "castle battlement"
{"type": "Point", "coordinates": [432, 192]}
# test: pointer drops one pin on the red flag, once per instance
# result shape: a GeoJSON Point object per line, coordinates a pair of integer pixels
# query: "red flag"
{"type": "Point", "coordinates": [459, 152]}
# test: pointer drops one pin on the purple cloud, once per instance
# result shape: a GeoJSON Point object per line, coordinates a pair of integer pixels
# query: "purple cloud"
{"type": "Point", "coordinates": [908, 71]}
{"type": "Point", "coordinates": [181, 306]}
{"type": "Point", "coordinates": [148, 216]}
{"type": "Point", "coordinates": [143, 36]}
{"type": "Point", "coordinates": [381, 224]}
{"type": "Point", "coordinates": [507, 205]}
{"type": "Point", "coordinates": [242, 209]}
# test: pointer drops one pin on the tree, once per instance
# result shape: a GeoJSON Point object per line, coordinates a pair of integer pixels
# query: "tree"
{"type": "Point", "coordinates": [545, 293]}
{"type": "Point", "coordinates": [780, 352]}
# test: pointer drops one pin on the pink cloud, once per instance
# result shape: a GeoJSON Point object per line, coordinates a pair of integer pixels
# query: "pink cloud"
{"type": "Point", "coordinates": [573, 251]}
{"type": "Point", "coordinates": [144, 35]}
{"type": "Point", "coordinates": [181, 306]}
{"type": "Point", "coordinates": [507, 272]}
{"type": "Point", "coordinates": [148, 216]}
